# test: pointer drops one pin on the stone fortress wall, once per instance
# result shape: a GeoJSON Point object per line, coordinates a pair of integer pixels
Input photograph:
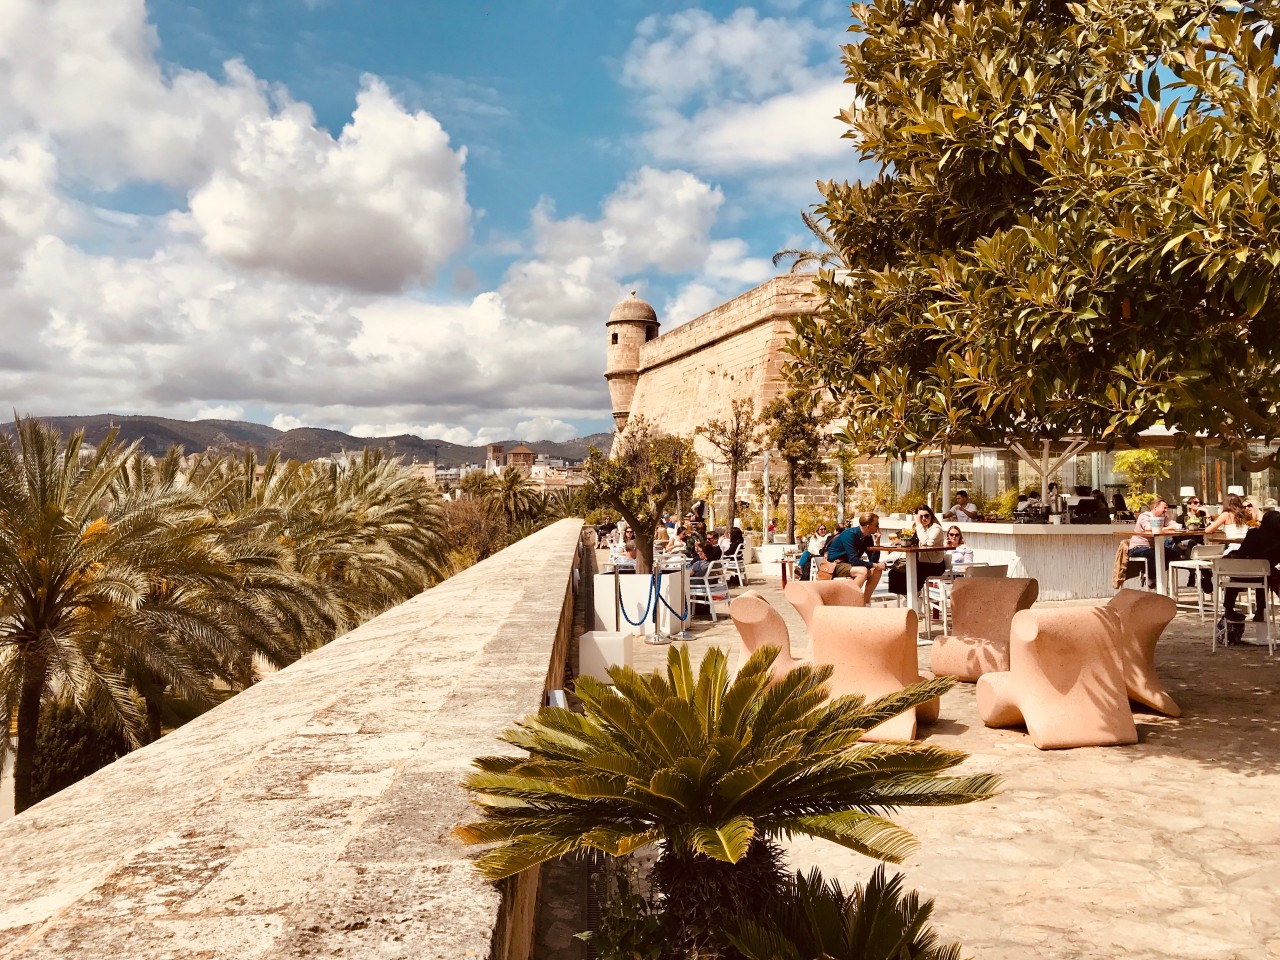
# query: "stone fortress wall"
{"type": "Point", "coordinates": [684, 378]}
{"type": "Point", "coordinates": [691, 375]}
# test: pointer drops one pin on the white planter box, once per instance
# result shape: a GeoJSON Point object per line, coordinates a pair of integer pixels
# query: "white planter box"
{"type": "Point", "coordinates": [636, 603]}
{"type": "Point", "coordinates": [598, 650]}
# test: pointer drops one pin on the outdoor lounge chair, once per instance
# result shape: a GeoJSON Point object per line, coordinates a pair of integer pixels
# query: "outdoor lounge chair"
{"type": "Point", "coordinates": [1065, 681]}
{"type": "Point", "coordinates": [982, 611]}
{"type": "Point", "coordinates": [873, 653]}
{"type": "Point", "coordinates": [760, 625]}
{"type": "Point", "coordinates": [807, 595]}
{"type": "Point", "coordinates": [1143, 617]}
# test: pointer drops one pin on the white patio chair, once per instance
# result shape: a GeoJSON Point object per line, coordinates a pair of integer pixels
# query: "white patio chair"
{"type": "Point", "coordinates": [1201, 560]}
{"type": "Point", "coordinates": [1247, 575]}
{"type": "Point", "coordinates": [735, 565]}
{"type": "Point", "coordinates": [987, 570]}
{"type": "Point", "coordinates": [710, 589]}
{"type": "Point", "coordinates": [937, 591]}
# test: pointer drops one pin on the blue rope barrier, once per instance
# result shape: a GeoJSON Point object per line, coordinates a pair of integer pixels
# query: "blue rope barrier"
{"type": "Point", "coordinates": [648, 604]}
{"type": "Point", "coordinates": [682, 617]}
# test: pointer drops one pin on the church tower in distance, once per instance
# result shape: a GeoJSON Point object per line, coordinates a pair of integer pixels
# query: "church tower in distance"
{"type": "Point", "coordinates": [632, 323]}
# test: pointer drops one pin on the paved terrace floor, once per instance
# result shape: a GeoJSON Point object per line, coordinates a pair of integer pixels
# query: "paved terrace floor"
{"type": "Point", "coordinates": [1166, 849]}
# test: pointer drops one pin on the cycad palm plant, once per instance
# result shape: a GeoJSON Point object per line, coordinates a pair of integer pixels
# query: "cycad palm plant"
{"type": "Point", "coordinates": [815, 919]}
{"type": "Point", "coordinates": [91, 580]}
{"type": "Point", "coordinates": [713, 769]}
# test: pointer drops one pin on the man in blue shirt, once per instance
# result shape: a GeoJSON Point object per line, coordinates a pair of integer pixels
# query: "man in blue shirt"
{"type": "Point", "coordinates": [855, 555]}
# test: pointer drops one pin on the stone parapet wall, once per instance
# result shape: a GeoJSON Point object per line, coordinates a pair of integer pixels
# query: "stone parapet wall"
{"type": "Point", "coordinates": [780, 298]}
{"type": "Point", "coordinates": [310, 816]}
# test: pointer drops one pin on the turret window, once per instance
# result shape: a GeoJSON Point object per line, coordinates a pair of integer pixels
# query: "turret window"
{"type": "Point", "coordinates": [615, 338]}
{"type": "Point", "coordinates": [649, 333]}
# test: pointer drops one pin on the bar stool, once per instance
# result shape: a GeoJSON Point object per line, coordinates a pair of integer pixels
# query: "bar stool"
{"type": "Point", "coordinates": [1244, 575]}
{"type": "Point", "coordinates": [1202, 556]}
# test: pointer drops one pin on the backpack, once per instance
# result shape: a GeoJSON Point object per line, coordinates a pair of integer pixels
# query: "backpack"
{"type": "Point", "coordinates": [1229, 629]}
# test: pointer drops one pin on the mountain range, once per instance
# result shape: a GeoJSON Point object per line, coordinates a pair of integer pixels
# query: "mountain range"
{"type": "Point", "coordinates": [156, 434]}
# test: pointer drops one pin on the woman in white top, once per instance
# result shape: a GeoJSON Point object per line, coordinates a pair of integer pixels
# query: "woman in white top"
{"type": "Point", "coordinates": [959, 551]}
{"type": "Point", "coordinates": [929, 563]}
{"type": "Point", "coordinates": [818, 542]}
{"type": "Point", "coordinates": [1232, 522]}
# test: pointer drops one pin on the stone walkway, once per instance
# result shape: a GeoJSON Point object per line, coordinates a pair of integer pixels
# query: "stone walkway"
{"type": "Point", "coordinates": [1166, 849]}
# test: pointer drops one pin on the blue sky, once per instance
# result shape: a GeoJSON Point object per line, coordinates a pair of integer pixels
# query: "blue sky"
{"type": "Point", "coordinates": [395, 216]}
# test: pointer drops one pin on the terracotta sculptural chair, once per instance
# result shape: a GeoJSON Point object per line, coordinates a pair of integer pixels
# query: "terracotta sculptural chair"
{"type": "Point", "coordinates": [807, 595]}
{"type": "Point", "coordinates": [760, 625]}
{"type": "Point", "coordinates": [982, 611]}
{"type": "Point", "coordinates": [1065, 680]}
{"type": "Point", "coordinates": [1143, 617]}
{"type": "Point", "coordinates": [873, 653]}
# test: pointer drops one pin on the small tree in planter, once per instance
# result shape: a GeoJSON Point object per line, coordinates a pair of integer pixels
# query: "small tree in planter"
{"type": "Point", "coordinates": [738, 443]}
{"type": "Point", "coordinates": [795, 430]}
{"type": "Point", "coordinates": [646, 474]}
{"type": "Point", "coordinates": [715, 771]}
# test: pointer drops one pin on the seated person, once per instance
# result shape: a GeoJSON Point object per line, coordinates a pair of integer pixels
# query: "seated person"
{"type": "Point", "coordinates": [960, 552]}
{"type": "Point", "coordinates": [1119, 509]}
{"type": "Point", "coordinates": [1142, 548]}
{"type": "Point", "coordinates": [929, 563]}
{"type": "Point", "coordinates": [1260, 543]}
{"type": "Point", "coordinates": [854, 553]}
{"type": "Point", "coordinates": [1189, 517]}
{"type": "Point", "coordinates": [962, 509]}
{"type": "Point", "coordinates": [700, 566]}
{"type": "Point", "coordinates": [816, 547]}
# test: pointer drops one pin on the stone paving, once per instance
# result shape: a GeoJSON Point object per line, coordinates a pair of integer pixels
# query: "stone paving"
{"type": "Point", "coordinates": [1166, 849]}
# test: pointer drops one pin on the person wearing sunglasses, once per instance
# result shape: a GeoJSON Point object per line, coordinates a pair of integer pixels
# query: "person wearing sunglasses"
{"type": "Point", "coordinates": [960, 552]}
{"type": "Point", "coordinates": [816, 547]}
{"type": "Point", "coordinates": [1190, 517]}
{"type": "Point", "coordinates": [929, 563]}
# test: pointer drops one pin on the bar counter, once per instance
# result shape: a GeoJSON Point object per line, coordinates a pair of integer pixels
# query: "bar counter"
{"type": "Point", "coordinates": [1071, 561]}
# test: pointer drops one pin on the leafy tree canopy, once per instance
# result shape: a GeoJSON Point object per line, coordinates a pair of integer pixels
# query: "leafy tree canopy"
{"type": "Point", "coordinates": [1073, 231]}
{"type": "Point", "coordinates": [647, 473]}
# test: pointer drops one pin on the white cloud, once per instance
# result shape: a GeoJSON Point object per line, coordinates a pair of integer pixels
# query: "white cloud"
{"type": "Point", "coordinates": [84, 73]}
{"type": "Point", "coordinates": [383, 205]}
{"type": "Point", "coordinates": [796, 128]}
{"type": "Point", "coordinates": [286, 422]}
{"type": "Point", "coordinates": [545, 428]}
{"type": "Point", "coordinates": [226, 411]}
{"type": "Point", "coordinates": [740, 95]}
{"type": "Point", "coordinates": [692, 56]}
{"type": "Point", "coordinates": [658, 220]}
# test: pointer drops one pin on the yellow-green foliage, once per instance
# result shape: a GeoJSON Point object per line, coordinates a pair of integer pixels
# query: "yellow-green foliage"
{"type": "Point", "coordinates": [1139, 467]}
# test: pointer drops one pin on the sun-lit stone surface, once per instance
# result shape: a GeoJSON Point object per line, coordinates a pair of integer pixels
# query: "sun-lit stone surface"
{"type": "Point", "coordinates": [309, 816]}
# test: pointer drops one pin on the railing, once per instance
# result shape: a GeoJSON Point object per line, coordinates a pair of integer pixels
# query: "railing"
{"type": "Point", "coordinates": [311, 814]}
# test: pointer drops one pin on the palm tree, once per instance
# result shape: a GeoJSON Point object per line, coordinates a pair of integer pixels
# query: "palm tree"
{"type": "Point", "coordinates": [86, 577]}
{"type": "Point", "coordinates": [477, 484]}
{"type": "Point", "coordinates": [253, 603]}
{"type": "Point", "coordinates": [367, 531]}
{"type": "Point", "coordinates": [715, 771]}
{"type": "Point", "coordinates": [515, 495]}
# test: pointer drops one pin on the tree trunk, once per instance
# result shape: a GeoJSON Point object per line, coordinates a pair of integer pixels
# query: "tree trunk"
{"type": "Point", "coordinates": [733, 497]}
{"type": "Point", "coordinates": [698, 892]}
{"type": "Point", "coordinates": [35, 669]}
{"type": "Point", "coordinates": [791, 503]}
